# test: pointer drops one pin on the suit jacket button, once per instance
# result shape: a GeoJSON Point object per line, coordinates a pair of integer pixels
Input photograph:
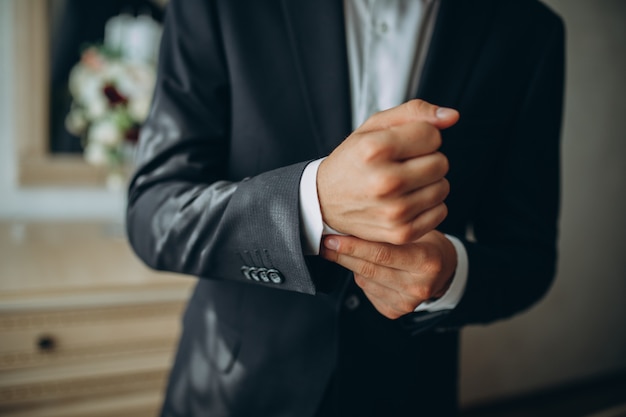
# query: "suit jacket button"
{"type": "Point", "coordinates": [245, 270]}
{"type": "Point", "coordinates": [275, 276]}
{"type": "Point", "coordinates": [254, 274]}
{"type": "Point", "coordinates": [263, 274]}
{"type": "Point", "coordinates": [352, 302]}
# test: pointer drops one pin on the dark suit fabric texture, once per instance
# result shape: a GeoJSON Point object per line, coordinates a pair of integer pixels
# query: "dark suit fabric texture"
{"type": "Point", "coordinates": [248, 92]}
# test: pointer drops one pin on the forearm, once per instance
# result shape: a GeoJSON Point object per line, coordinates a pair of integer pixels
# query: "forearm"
{"type": "Point", "coordinates": [215, 230]}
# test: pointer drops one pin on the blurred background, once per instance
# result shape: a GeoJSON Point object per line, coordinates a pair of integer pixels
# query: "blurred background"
{"type": "Point", "coordinates": [86, 330]}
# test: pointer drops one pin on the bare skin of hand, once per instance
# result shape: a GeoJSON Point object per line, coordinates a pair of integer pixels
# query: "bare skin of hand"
{"type": "Point", "coordinates": [396, 278]}
{"type": "Point", "coordinates": [385, 182]}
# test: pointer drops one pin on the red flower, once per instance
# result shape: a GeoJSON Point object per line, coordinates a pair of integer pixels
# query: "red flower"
{"type": "Point", "coordinates": [132, 135]}
{"type": "Point", "coordinates": [113, 95]}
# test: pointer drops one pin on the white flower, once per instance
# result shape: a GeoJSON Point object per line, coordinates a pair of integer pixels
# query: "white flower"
{"type": "Point", "coordinates": [75, 122]}
{"type": "Point", "coordinates": [92, 95]}
{"type": "Point", "coordinates": [77, 80]}
{"type": "Point", "coordinates": [137, 81]}
{"type": "Point", "coordinates": [115, 70]}
{"type": "Point", "coordinates": [96, 107]}
{"type": "Point", "coordinates": [138, 108]}
{"type": "Point", "coordinates": [105, 132]}
{"type": "Point", "coordinates": [96, 154]}
{"type": "Point", "coordinates": [87, 84]}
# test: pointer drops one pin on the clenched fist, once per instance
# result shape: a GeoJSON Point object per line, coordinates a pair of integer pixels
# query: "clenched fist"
{"type": "Point", "coordinates": [385, 182]}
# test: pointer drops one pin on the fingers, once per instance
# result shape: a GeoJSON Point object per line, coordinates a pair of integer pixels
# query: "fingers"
{"type": "Point", "coordinates": [422, 224]}
{"type": "Point", "coordinates": [396, 289]}
{"type": "Point", "coordinates": [387, 274]}
{"type": "Point", "coordinates": [399, 143]}
{"type": "Point", "coordinates": [401, 179]}
{"type": "Point", "coordinates": [412, 111]}
{"type": "Point", "coordinates": [372, 258]}
{"type": "Point", "coordinates": [416, 203]}
{"type": "Point", "coordinates": [395, 278]}
{"type": "Point", "coordinates": [397, 232]}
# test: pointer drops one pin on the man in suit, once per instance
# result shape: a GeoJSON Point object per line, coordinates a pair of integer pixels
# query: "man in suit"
{"type": "Point", "coordinates": [337, 287]}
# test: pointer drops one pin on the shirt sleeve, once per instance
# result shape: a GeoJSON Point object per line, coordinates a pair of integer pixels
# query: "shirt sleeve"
{"type": "Point", "coordinates": [311, 223]}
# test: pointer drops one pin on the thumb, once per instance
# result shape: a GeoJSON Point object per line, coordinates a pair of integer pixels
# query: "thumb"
{"type": "Point", "coordinates": [445, 117]}
{"type": "Point", "coordinates": [412, 111]}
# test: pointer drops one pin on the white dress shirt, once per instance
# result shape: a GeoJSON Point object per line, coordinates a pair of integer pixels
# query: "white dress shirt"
{"type": "Point", "coordinates": [386, 52]}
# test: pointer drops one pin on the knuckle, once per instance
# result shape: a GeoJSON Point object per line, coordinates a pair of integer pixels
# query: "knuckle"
{"type": "Point", "coordinates": [421, 229]}
{"type": "Point", "coordinates": [402, 235]}
{"type": "Point", "coordinates": [386, 184]}
{"type": "Point", "coordinates": [432, 266]}
{"type": "Point", "coordinates": [407, 306]}
{"type": "Point", "coordinates": [390, 313]}
{"type": "Point", "coordinates": [424, 293]}
{"type": "Point", "coordinates": [442, 213]}
{"type": "Point", "coordinates": [438, 165]}
{"type": "Point", "coordinates": [418, 107]}
{"type": "Point", "coordinates": [438, 192]}
{"type": "Point", "coordinates": [397, 212]}
{"type": "Point", "coordinates": [346, 248]}
{"type": "Point", "coordinates": [436, 138]}
{"type": "Point", "coordinates": [360, 280]}
{"type": "Point", "coordinates": [444, 163]}
{"type": "Point", "coordinates": [431, 137]}
{"type": "Point", "coordinates": [445, 188]}
{"type": "Point", "coordinates": [382, 255]}
{"type": "Point", "coordinates": [430, 220]}
{"type": "Point", "coordinates": [373, 148]}
{"type": "Point", "coordinates": [366, 269]}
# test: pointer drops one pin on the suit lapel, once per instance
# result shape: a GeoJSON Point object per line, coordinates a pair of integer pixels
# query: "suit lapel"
{"type": "Point", "coordinates": [459, 32]}
{"type": "Point", "coordinates": [317, 41]}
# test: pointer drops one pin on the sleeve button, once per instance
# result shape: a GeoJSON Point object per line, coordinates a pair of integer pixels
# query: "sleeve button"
{"type": "Point", "coordinates": [245, 270]}
{"type": "Point", "coordinates": [275, 276]}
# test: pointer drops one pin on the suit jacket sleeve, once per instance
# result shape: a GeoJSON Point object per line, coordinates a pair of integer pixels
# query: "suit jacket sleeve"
{"type": "Point", "coordinates": [184, 214]}
{"type": "Point", "coordinates": [513, 251]}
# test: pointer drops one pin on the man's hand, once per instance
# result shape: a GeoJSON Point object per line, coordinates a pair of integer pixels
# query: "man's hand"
{"type": "Point", "coordinates": [396, 279]}
{"type": "Point", "coordinates": [385, 182]}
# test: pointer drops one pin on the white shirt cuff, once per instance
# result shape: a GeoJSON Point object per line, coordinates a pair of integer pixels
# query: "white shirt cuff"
{"type": "Point", "coordinates": [457, 288]}
{"type": "Point", "coordinates": [311, 223]}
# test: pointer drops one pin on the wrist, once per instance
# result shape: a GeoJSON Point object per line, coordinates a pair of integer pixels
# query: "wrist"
{"type": "Point", "coordinates": [454, 287]}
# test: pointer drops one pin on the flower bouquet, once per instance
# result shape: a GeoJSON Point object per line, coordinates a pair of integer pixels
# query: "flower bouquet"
{"type": "Point", "coordinates": [111, 90]}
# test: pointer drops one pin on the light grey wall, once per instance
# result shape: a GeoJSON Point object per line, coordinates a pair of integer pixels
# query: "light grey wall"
{"type": "Point", "coordinates": [579, 329]}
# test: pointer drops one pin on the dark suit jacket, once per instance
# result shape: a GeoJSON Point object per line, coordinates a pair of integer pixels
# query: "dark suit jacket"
{"type": "Point", "coordinates": [247, 92]}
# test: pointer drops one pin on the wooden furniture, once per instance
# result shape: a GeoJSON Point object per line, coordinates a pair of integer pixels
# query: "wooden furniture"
{"type": "Point", "coordinates": [85, 328]}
